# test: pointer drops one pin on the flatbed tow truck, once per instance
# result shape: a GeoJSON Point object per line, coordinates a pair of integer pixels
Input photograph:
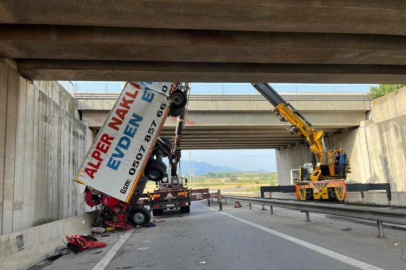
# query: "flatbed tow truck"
{"type": "Point", "coordinates": [172, 191]}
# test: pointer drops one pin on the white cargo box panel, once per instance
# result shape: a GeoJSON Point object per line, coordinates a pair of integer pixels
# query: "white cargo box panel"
{"type": "Point", "coordinates": [116, 161]}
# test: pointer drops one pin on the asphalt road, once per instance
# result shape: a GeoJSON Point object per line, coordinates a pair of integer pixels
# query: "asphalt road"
{"type": "Point", "coordinates": [242, 239]}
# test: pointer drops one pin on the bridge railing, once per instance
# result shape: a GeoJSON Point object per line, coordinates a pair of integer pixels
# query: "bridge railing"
{"type": "Point", "coordinates": [233, 88]}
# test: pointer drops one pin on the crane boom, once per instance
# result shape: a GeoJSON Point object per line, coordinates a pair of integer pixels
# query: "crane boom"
{"type": "Point", "coordinates": [322, 182]}
{"type": "Point", "coordinates": [300, 126]}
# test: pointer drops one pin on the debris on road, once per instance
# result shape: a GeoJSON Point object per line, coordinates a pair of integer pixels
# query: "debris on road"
{"type": "Point", "coordinates": [98, 230]}
{"type": "Point", "coordinates": [346, 229]}
{"type": "Point", "coordinates": [149, 225]}
{"type": "Point", "coordinates": [158, 221]}
{"type": "Point", "coordinates": [143, 248]}
{"type": "Point", "coordinates": [78, 243]}
{"type": "Point", "coordinates": [203, 263]}
{"type": "Point", "coordinates": [59, 252]}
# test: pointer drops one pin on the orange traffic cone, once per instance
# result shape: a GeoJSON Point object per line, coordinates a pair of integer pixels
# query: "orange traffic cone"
{"type": "Point", "coordinates": [237, 204]}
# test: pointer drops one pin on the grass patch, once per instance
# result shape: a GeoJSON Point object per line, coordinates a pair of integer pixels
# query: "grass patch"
{"type": "Point", "coordinates": [229, 181]}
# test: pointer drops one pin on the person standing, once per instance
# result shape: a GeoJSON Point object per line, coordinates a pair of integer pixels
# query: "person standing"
{"type": "Point", "coordinates": [336, 160]}
{"type": "Point", "coordinates": [342, 161]}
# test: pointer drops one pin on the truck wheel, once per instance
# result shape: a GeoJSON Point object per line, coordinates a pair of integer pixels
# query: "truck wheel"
{"type": "Point", "coordinates": [178, 104]}
{"type": "Point", "coordinates": [139, 216]}
{"type": "Point", "coordinates": [155, 170]}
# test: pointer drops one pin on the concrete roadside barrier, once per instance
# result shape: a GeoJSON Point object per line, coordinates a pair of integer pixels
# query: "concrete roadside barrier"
{"type": "Point", "coordinates": [22, 250]}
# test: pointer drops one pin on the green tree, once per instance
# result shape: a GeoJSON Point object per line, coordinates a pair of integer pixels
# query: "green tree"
{"type": "Point", "coordinates": [211, 174]}
{"type": "Point", "coordinates": [383, 89]}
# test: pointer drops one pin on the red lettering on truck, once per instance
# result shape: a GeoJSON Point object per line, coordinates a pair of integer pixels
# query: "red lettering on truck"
{"type": "Point", "coordinates": [123, 108]}
{"type": "Point", "coordinates": [101, 148]}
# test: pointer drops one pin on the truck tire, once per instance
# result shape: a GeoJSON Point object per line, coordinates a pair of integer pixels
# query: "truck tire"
{"type": "Point", "coordinates": [155, 170]}
{"type": "Point", "coordinates": [178, 104]}
{"type": "Point", "coordinates": [139, 216]}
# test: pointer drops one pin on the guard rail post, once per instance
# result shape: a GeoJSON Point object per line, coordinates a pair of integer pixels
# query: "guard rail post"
{"type": "Point", "coordinates": [271, 210]}
{"type": "Point", "coordinates": [219, 200]}
{"type": "Point", "coordinates": [380, 229]}
{"type": "Point", "coordinates": [208, 202]}
{"type": "Point", "coordinates": [263, 207]}
{"type": "Point", "coordinates": [307, 216]}
{"type": "Point", "coordinates": [249, 204]}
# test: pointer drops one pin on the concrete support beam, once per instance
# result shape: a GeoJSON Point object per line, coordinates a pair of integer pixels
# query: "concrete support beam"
{"type": "Point", "coordinates": [242, 121]}
{"type": "Point", "coordinates": [352, 16]}
{"type": "Point", "coordinates": [248, 119]}
{"type": "Point", "coordinates": [241, 130]}
{"type": "Point", "coordinates": [41, 144]}
{"type": "Point", "coordinates": [168, 45]}
{"type": "Point", "coordinates": [208, 72]}
{"type": "Point", "coordinates": [3, 118]}
{"type": "Point", "coordinates": [315, 102]}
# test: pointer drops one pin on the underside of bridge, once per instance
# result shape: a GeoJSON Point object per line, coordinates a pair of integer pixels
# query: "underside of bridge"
{"type": "Point", "coordinates": [242, 121]}
{"type": "Point", "coordinates": [206, 41]}
{"type": "Point", "coordinates": [238, 137]}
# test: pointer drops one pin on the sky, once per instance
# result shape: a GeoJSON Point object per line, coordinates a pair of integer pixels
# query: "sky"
{"type": "Point", "coordinates": [244, 160]}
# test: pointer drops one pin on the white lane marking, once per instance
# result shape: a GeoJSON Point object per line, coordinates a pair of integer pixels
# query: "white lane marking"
{"type": "Point", "coordinates": [324, 251]}
{"type": "Point", "coordinates": [112, 252]}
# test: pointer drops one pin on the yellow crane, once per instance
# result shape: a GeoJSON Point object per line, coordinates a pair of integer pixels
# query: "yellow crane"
{"type": "Point", "coordinates": [324, 182]}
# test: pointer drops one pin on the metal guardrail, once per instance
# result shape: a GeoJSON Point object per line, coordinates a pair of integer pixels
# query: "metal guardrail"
{"type": "Point", "coordinates": [374, 213]}
{"type": "Point", "coordinates": [350, 187]}
{"type": "Point", "coordinates": [288, 97]}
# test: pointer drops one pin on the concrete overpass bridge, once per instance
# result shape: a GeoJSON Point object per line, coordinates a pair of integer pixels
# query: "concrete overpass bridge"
{"type": "Point", "coordinates": [42, 138]}
{"type": "Point", "coordinates": [206, 41]}
{"type": "Point", "coordinates": [243, 121]}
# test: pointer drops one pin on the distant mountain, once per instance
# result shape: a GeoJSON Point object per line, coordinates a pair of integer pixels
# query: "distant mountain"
{"type": "Point", "coordinates": [201, 168]}
{"type": "Point", "coordinates": [259, 171]}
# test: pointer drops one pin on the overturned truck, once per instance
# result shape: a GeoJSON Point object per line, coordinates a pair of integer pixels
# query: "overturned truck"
{"type": "Point", "coordinates": [124, 155]}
